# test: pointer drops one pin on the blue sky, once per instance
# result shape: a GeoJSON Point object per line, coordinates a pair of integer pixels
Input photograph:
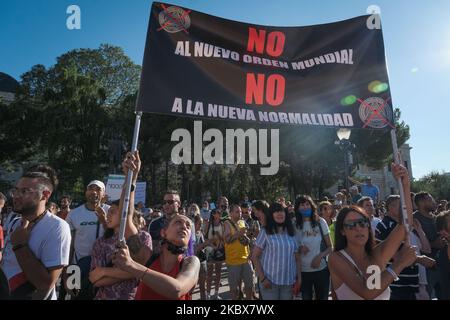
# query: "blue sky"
{"type": "Point", "coordinates": [416, 34]}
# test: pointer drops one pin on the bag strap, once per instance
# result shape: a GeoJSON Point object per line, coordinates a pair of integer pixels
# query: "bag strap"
{"type": "Point", "coordinates": [321, 234]}
{"type": "Point", "coordinates": [350, 261]}
{"type": "Point", "coordinates": [152, 259]}
{"type": "Point", "coordinates": [232, 223]}
{"type": "Point", "coordinates": [98, 229]}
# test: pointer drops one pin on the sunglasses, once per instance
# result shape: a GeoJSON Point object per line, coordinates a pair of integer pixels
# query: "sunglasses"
{"type": "Point", "coordinates": [170, 202]}
{"type": "Point", "coordinates": [362, 223]}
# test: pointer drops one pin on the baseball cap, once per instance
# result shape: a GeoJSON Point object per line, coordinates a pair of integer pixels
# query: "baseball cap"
{"type": "Point", "coordinates": [97, 183]}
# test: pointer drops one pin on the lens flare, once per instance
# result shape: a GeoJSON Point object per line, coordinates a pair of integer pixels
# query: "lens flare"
{"type": "Point", "coordinates": [378, 86]}
{"type": "Point", "coordinates": [348, 100]}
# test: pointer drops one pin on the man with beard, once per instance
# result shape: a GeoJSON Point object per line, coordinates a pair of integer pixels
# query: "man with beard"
{"type": "Point", "coordinates": [87, 223]}
{"type": "Point", "coordinates": [171, 205]}
{"type": "Point", "coordinates": [38, 243]}
{"type": "Point", "coordinates": [64, 204]}
{"type": "Point", "coordinates": [424, 214]}
{"type": "Point", "coordinates": [367, 204]}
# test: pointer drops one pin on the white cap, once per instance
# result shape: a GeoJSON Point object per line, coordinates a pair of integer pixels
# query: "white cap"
{"type": "Point", "coordinates": [97, 183]}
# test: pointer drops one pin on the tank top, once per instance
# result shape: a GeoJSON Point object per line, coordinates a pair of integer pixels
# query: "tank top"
{"type": "Point", "coordinates": [144, 292]}
{"type": "Point", "coordinates": [345, 293]}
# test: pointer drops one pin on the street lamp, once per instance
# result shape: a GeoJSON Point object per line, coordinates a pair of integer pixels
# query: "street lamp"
{"type": "Point", "coordinates": [345, 145]}
{"type": "Point", "coordinates": [344, 134]}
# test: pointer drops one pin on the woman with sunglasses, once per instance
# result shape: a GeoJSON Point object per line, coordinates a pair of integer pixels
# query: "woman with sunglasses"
{"type": "Point", "coordinates": [355, 250]}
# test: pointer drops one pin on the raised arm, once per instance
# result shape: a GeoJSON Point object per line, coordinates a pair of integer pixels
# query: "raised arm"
{"type": "Point", "coordinates": [340, 267]}
{"type": "Point", "coordinates": [132, 161]}
{"type": "Point", "coordinates": [385, 250]}
{"type": "Point", "coordinates": [172, 288]}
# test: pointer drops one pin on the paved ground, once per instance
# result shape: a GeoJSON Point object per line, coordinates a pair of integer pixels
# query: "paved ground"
{"type": "Point", "coordinates": [224, 289]}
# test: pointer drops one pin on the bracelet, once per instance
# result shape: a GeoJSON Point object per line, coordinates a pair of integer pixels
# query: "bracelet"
{"type": "Point", "coordinates": [19, 246]}
{"type": "Point", "coordinates": [392, 272]}
{"type": "Point", "coordinates": [133, 187]}
{"type": "Point", "coordinates": [143, 274]}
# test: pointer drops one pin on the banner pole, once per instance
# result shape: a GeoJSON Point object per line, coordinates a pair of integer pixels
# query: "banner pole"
{"type": "Point", "coordinates": [126, 202]}
{"type": "Point", "coordinates": [400, 187]}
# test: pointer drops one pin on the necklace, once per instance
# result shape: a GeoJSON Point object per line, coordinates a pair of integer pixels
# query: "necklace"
{"type": "Point", "coordinates": [38, 218]}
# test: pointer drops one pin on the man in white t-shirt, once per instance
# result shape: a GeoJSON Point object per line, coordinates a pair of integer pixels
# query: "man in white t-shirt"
{"type": "Point", "coordinates": [37, 245]}
{"type": "Point", "coordinates": [87, 223]}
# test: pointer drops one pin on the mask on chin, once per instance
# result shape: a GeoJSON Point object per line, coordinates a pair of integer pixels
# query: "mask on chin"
{"type": "Point", "coordinates": [173, 248]}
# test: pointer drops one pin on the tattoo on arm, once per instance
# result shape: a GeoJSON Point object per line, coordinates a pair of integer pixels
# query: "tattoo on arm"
{"type": "Point", "coordinates": [134, 244]}
{"type": "Point", "coordinates": [189, 265]}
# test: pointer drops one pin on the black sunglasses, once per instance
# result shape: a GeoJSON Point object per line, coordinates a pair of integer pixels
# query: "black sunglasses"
{"type": "Point", "coordinates": [170, 202]}
{"type": "Point", "coordinates": [362, 223]}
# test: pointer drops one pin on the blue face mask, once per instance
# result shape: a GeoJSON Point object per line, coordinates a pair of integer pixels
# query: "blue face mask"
{"type": "Point", "coordinates": [307, 213]}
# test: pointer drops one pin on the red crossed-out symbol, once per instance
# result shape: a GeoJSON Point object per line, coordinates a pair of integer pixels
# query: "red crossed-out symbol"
{"type": "Point", "coordinates": [376, 112]}
{"type": "Point", "coordinates": [174, 20]}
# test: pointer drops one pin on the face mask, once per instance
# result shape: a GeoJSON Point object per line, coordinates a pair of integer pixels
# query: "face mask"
{"type": "Point", "coordinates": [306, 212]}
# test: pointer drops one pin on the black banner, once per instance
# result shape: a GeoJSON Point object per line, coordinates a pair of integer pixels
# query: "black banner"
{"type": "Point", "coordinates": [203, 66]}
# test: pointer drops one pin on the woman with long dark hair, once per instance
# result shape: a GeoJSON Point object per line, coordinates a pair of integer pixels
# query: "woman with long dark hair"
{"type": "Point", "coordinates": [276, 258]}
{"type": "Point", "coordinates": [313, 237]}
{"type": "Point", "coordinates": [355, 250]}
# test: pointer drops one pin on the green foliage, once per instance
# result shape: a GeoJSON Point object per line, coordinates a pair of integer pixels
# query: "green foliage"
{"type": "Point", "coordinates": [437, 184]}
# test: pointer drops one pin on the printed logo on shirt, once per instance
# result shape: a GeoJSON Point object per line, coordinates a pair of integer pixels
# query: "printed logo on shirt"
{"type": "Point", "coordinates": [310, 233]}
{"type": "Point", "coordinates": [88, 223]}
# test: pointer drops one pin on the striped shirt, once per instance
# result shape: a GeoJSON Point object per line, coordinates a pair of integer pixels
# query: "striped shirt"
{"type": "Point", "coordinates": [278, 257]}
{"type": "Point", "coordinates": [408, 277]}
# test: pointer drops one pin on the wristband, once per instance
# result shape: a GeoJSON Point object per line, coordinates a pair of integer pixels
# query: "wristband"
{"type": "Point", "coordinates": [392, 272]}
{"type": "Point", "coordinates": [133, 187]}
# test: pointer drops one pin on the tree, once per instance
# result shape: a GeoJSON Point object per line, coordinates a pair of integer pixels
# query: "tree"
{"type": "Point", "coordinates": [66, 115]}
{"type": "Point", "coordinates": [435, 183]}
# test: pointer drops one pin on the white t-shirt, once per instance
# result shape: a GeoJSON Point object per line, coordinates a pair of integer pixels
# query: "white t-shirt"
{"type": "Point", "coordinates": [49, 241]}
{"type": "Point", "coordinates": [84, 223]}
{"type": "Point", "coordinates": [373, 223]}
{"type": "Point", "coordinates": [312, 239]}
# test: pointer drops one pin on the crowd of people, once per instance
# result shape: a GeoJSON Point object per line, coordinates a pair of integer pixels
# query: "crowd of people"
{"type": "Point", "coordinates": [284, 250]}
